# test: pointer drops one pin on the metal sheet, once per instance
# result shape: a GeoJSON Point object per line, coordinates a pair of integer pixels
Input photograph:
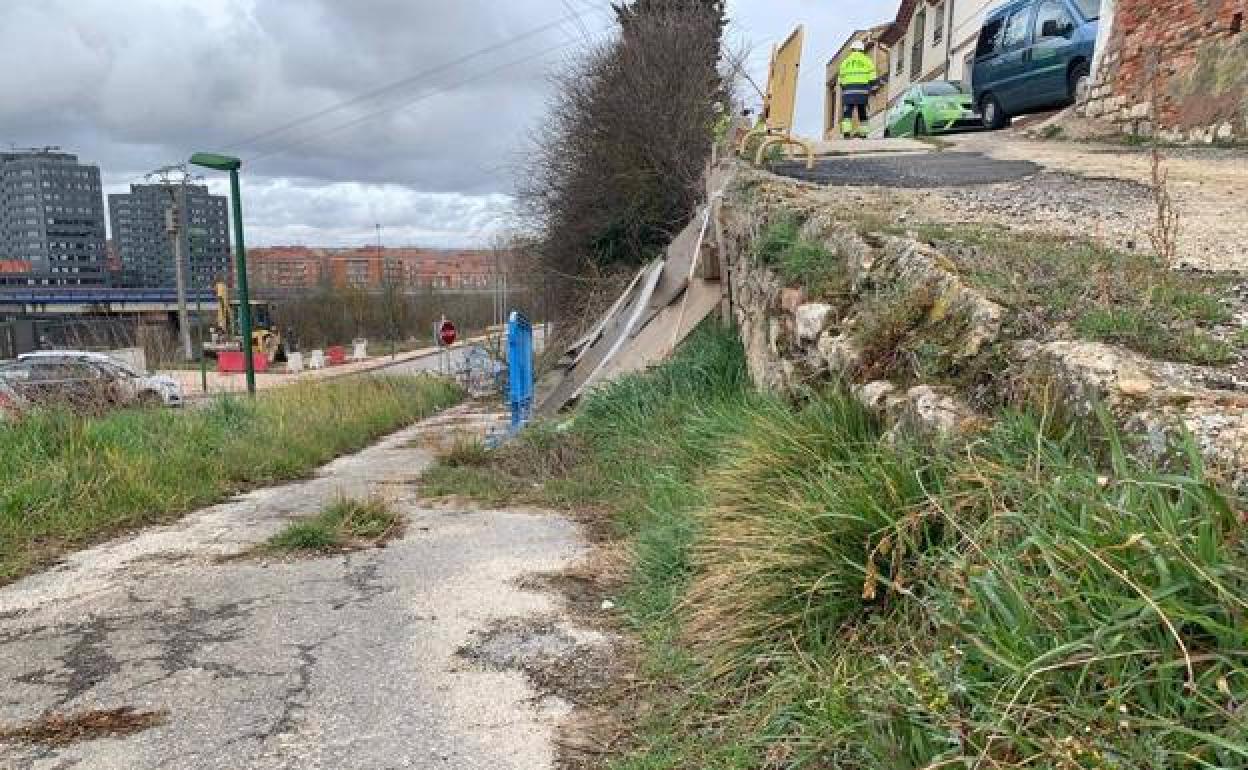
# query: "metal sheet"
{"type": "Point", "coordinates": [617, 328]}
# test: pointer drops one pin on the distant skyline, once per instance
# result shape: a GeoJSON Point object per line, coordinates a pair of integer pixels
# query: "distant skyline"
{"type": "Point", "coordinates": [132, 86]}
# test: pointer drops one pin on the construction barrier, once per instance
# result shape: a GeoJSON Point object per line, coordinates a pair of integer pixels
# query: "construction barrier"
{"type": "Point", "coordinates": [232, 362]}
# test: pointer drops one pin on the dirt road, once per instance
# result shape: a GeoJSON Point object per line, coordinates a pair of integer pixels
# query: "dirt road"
{"type": "Point", "coordinates": [373, 659]}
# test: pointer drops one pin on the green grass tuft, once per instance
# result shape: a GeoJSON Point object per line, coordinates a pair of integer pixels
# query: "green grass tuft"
{"type": "Point", "coordinates": [343, 524]}
{"type": "Point", "coordinates": [803, 262]}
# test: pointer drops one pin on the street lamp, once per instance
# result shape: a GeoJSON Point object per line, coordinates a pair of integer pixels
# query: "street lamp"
{"type": "Point", "coordinates": [227, 163]}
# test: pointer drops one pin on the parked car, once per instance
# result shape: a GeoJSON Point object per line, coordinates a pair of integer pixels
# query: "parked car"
{"type": "Point", "coordinates": [931, 108]}
{"type": "Point", "coordinates": [1032, 55]}
{"type": "Point", "coordinates": [82, 378]}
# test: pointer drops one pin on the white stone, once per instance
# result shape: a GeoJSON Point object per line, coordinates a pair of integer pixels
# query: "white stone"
{"type": "Point", "coordinates": [812, 319]}
{"type": "Point", "coordinates": [1226, 132]}
{"type": "Point", "coordinates": [873, 394]}
{"type": "Point", "coordinates": [840, 353]}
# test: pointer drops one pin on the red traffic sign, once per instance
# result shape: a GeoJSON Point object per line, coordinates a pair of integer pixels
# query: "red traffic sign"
{"type": "Point", "coordinates": [447, 332]}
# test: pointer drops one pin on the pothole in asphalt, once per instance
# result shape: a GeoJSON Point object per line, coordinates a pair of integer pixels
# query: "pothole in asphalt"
{"type": "Point", "coordinates": [571, 666]}
{"type": "Point", "coordinates": [64, 730]}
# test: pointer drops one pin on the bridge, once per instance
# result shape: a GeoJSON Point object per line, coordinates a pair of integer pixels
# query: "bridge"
{"type": "Point", "coordinates": [58, 302]}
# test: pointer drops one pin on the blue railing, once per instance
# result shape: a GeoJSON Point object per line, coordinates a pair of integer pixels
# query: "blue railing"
{"type": "Point", "coordinates": [520, 369]}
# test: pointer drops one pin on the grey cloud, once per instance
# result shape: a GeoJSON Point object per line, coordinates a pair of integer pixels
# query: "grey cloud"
{"type": "Point", "coordinates": [134, 84]}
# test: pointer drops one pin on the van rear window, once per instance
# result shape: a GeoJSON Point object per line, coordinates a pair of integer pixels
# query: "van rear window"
{"type": "Point", "coordinates": [1091, 9]}
{"type": "Point", "coordinates": [990, 37]}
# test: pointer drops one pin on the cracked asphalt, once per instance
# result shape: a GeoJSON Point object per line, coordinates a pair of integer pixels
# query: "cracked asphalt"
{"type": "Point", "coordinates": [339, 662]}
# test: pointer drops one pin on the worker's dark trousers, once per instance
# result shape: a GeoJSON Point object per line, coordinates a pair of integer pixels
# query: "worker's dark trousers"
{"type": "Point", "coordinates": [847, 118]}
{"type": "Point", "coordinates": [848, 112]}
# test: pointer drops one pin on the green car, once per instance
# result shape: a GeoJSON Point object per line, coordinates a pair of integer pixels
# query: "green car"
{"type": "Point", "coordinates": [932, 108]}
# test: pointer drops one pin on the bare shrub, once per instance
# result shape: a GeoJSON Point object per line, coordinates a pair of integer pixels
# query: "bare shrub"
{"type": "Point", "coordinates": [618, 168]}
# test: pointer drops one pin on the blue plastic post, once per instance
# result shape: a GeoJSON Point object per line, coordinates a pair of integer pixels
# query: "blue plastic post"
{"type": "Point", "coordinates": [520, 369]}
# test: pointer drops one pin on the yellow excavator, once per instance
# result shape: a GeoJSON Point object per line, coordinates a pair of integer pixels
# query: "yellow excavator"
{"type": "Point", "coordinates": [226, 336]}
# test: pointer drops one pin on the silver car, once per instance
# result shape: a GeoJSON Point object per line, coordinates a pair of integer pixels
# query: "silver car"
{"type": "Point", "coordinates": [87, 377]}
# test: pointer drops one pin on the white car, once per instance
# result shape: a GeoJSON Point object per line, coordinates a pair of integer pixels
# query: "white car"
{"type": "Point", "coordinates": [131, 385]}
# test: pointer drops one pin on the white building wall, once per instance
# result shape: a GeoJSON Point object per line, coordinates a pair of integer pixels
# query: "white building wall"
{"type": "Point", "coordinates": [939, 16]}
{"type": "Point", "coordinates": [968, 16]}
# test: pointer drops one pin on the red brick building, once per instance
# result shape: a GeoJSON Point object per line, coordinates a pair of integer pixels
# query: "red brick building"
{"type": "Point", "coordinates": [303, 267]}
{"type": "Point", "coordinates": [1177, 69]}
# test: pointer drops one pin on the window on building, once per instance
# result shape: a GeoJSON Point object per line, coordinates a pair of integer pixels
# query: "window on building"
{"type": "Point", "coordinates": [901, 60]}
{"type": "Point", "coordinates": [938, 23]}
{"type": "Point", "coordinates": [916, 48]}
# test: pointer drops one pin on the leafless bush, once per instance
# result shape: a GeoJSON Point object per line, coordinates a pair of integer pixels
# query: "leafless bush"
{"type": "Point", "coordinates": [1165, 231]}
{"type": "Point", "coordinates": [337, 315]}
{"type": "Point", "coordinates": [618, 167]}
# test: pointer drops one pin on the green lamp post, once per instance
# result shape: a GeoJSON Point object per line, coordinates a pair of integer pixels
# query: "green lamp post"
{"type": "Point", "coordinates": [232, 165]}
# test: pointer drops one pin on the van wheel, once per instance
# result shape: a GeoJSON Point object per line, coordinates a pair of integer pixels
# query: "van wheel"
{"type": "Point", "coordinates": [1079, 82]}
{"type": "Point", "coordinates": [994, 117]}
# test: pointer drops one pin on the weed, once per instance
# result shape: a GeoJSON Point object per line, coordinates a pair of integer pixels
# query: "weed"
{"type": "Point", "coordinates": [803, 262]}
{"type": "Point", "coordinates": [1139, 330]}
{"type": "Point", "coordinates": [1106, 294]}
{"type": "Point", "coordinates": [1165, 232]}
{"type": "Point", "coordinates": [466, 454]}
{"type": "Point", "coordinates": [886, 333]}
{"type": "Point", "coordinates": [344, 524]}
{"type": "Point", "coordinates": [1053, 132]}
{"type": "Point", "coordinates": [69, 480]}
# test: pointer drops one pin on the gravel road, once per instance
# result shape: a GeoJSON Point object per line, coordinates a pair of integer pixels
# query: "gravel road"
{"type": "Point", "coordinates": [349, 661]}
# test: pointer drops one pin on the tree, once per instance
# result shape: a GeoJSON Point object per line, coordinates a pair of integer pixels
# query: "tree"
{"type": "Point", "coordinates": [619, 170]}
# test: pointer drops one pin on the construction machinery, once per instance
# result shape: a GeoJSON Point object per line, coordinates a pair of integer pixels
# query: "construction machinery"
{"type": "Point", "coordinates": [226, 337]}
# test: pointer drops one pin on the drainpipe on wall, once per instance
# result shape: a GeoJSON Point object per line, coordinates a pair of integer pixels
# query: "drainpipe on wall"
{"type": "Point", "coordinates": [1105, 28]}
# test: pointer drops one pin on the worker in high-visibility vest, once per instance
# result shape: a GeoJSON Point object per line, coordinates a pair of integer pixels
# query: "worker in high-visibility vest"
{"type": "Point", "coordinates": [858, 78]}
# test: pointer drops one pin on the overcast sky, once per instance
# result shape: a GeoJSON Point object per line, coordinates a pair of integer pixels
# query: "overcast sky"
{"type": "Point", "coordinates": [435, 100]}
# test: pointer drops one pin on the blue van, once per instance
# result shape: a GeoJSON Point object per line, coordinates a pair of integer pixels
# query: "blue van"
{"type": "Point", "coordinates": [1033, 54]}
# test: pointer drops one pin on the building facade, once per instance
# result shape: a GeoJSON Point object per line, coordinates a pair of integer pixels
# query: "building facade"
{"type": "Point", "coordinates": [933, 40]}
{"type": "Point", "coordinates": [144, 246]}
{"type": "Point", "coordinates": [877, 105]}
{"type": "Point", "coordinates": [302, 267]}
{"type": "Point", "coordinates": [51, 220]}
{"type": "Point", "coordinates": [1177, 69]}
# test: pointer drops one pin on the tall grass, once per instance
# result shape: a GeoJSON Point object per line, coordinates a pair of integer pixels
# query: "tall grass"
{"type": "Point", "coordinates": [813, 596]}
{"type": "Point", "coordinates": [67, 480]}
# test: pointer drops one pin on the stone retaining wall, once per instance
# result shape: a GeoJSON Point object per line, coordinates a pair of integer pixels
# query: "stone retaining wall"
{"type": "Point", "coordinates": [795, 344]}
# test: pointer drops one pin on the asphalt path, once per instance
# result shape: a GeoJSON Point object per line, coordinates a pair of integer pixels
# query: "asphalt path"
{"type": "Point", "coordinates": [916, 170]}
{"type": "Point", "coordinates": [342, 661]}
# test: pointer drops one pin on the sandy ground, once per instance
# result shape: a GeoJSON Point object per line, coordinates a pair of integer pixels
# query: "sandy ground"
{"type": "Point", "coordinates": [348, 661]}
{"type": "Point", "coordinates": [1105, 191]}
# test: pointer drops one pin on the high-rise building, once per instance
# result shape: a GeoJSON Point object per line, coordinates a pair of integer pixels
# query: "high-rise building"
{"type": "Point", "coordinates": [51, 220]}
{"type": "Point", "coordinates": [144, 246]}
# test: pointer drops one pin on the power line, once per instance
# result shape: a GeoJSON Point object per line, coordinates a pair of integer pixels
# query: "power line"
{"type": "Point", "coordinates": [409, 103]}
{"type": "Point", "coordinates": [399, 85]}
